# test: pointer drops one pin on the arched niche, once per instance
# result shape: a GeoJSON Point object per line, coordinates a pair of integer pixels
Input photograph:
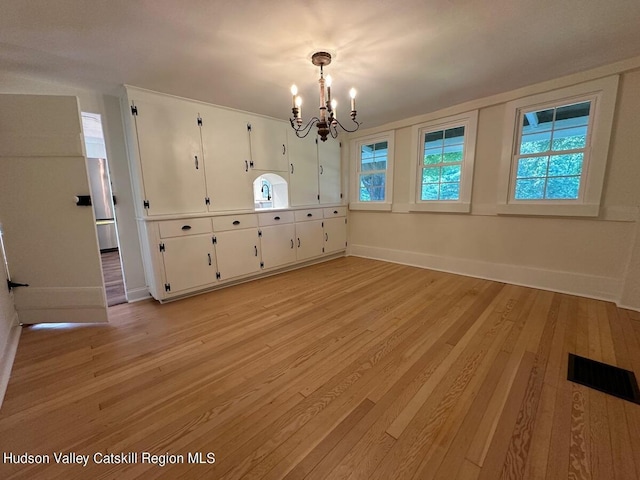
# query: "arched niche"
{"type": "Point", "coordinates": [270, 191]}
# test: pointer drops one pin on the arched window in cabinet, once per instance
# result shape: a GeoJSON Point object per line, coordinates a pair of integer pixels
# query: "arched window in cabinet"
{"type": "Point", "coordinates": [270, 191]}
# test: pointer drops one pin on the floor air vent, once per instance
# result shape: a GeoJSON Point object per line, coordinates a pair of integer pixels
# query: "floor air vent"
{"type": "Point", "coordinates": [605, 378]}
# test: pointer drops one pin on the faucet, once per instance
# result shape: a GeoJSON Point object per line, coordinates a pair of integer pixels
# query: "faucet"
{"type": "Point", "coordinates": [268, 192]}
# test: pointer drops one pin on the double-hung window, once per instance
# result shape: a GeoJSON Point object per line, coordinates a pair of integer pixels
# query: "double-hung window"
{"type": "Point", "coordinates": [555, 150]}
{"type": "Point", "coordinates": [445, 164]}
{"type": "Point", "coordinates": [373, 172]}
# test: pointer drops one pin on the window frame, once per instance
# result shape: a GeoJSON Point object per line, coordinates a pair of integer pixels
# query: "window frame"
{"type": "Point", "coordinates": [468, 120]}
{"type": "Point", "coordinates": [602, 94]}
{"type": "Point", "coordinates": [356, 145]}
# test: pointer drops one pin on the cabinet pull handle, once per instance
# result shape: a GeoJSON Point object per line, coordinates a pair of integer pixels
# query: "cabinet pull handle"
{"type": "Point", "coordinates": [321, 170]}
{"type": "Point", "coordinates": [309, 214]}
{"type": "Point", "coordinates": [236, 222]}
{"type": "Point", "coordinates": [186, 227]}
{"type": "Point", "coordinates": [335, 212]}
{"type": "Point", "coordinates": [209, 255]}
{"type": "Point", "coordinates": [292, 243]}
{"type": "Point", "coordinates": [276, 218]}
{"type": "Point", "coordinates": [326, 237]}
{"type": "Point", "coordinates": [284, 149]}
{"type": "Point", "coordinates": [246, 166]}
{"type": "Point", "coordinates": [291, 167]}
{"type": "Point", "coordinates": [196, 157]}
{"type": "Point", "coordinates": [256, 249]}
{"type": "Point", "coordinates": [298, 242]}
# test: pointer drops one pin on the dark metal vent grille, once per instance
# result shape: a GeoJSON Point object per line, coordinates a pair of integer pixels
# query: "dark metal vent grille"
{"type": "Point", "coordinates": [605, 378]}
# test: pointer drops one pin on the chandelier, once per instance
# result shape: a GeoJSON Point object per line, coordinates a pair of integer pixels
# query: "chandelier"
{"type": "Point", "coordinates": [328, 122]}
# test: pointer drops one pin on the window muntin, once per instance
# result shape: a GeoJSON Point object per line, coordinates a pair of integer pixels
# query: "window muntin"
{"type": "Point", "coordinates": [551, 153]}
{"type": "Point", "coordinates": [372, 171]}
{"type": "Point", "coordinates": [441, 169]}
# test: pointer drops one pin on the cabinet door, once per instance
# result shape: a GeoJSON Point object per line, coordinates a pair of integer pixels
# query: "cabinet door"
{"type": "Point", "coordinates": [237, 252]}
{"type": "Point", "coordinates": [329, 170]}
{"type": "Point", "coordinates": [278, 245]}
{"type": "Point", "coordinates": [303, 170]}
{"type": "Point", "coordinates": [171, 156]}
{"type": "Point", "coordinates": [335, 234]}
{"type": "Point", "coordinates": [226, 149]}
{"type": "Point", "coordinates": [268, 144]}
{"type": "Point", "coordinates": [189, 262]}
{"type": "Point", "coordinates": [310, 241]}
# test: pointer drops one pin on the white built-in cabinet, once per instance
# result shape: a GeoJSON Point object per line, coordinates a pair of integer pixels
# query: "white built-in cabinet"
{"type": "Point", "coordinates": [201, 253]}
{"type": "Point", "coordinates": [268, 144]}
{"type": "Point", "coordinates": [193, 166]}
{"type": "Point", "coordinates": [227, 155]}
{"type": "Point", "coordinates": [329, 165]}
{"type": "Point", "coordinates": [277, 239]}
{"type": "Point", "coordinates": [170, 153]}
{"type": "Point", "coordinates": [314, 170]}
{"type": "Point", "coordinates": [237, 244]}
{"type": "Point", "coordinates": [303, 170]}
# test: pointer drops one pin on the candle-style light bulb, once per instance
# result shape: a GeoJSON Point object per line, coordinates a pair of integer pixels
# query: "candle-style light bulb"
{"type": "Point", "coordinates": [334, 104]}
{"type": "Point", "coordinates": [352, 94]}
{"type": "Point", "coordinates": [329, 80]}
{"type": "Point", "coordinates": [294, 92]}
{"type": "Point", "coordinates": [298, 103]}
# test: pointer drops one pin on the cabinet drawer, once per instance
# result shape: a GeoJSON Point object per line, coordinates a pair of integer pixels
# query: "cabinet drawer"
{"type": "Point", "coordinates": [234, 222]}
{"type": "Point", "coordinates": [180, 228]}
{"type": "Point", "coordinates": [335, 212]}
{"type": "Point", "coordinates": [305, 215]}
{"type": "Point", "coordinates": [274, 218]}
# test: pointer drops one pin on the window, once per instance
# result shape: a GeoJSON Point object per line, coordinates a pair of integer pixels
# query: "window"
{"type": "Point", "coordinates": [551, 151]}
{"type": "Point", "coordinates": [373, 172]}
{"type": "Point", "coordinates": [555, 151]}
{"type": "Point", "coordinates": [445, 164]}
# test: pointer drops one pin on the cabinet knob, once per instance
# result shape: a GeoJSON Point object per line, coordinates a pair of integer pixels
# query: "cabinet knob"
{"type": "Point", "coordinates": [186, 227]}
{"type": "Point", "coordinates": [236, 222]}
{"type": "Point", "coordinates": [335, 212]}
{"type": "Point", "coordinates": [276, 218]}
{"type": "Point", "coordinates": [309, 214]}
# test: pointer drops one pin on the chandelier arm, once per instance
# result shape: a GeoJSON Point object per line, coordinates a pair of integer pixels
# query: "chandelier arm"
{"type": "Point", "coordinates": [345, 128]}
{"type": "Point", "coordinates": [302, 132]}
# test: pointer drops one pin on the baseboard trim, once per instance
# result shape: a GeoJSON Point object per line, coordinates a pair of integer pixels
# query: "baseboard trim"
{"type": "Point", "coordinates": [7, 358]}
{"type": "Point", "coordinates": [138, 294]}
{"type": "Point", "coordinates": [600, 288]}
{"type": "Point", "coordinates": [628, 307]}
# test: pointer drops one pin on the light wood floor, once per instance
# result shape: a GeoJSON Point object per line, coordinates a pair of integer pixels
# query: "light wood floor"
{"type": "Point", "coordinates": [349, 369]}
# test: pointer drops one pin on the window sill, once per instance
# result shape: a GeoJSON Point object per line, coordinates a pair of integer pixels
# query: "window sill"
{"type": "Point", "coordinates": [549, 209]}
{"type": "Point", "coordinates": [445, 207]}
{"type": "Point", "coordinates": [373, 206]}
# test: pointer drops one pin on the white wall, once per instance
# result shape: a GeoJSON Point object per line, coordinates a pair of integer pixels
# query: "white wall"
{"type": "Point", "coordinates": [578, 255]}
{"type": "Point", "coordinates": [108, 107]}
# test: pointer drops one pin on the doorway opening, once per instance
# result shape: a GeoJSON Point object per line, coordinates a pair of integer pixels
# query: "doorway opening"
{"type": "Point", "coordinates": [103, 202]}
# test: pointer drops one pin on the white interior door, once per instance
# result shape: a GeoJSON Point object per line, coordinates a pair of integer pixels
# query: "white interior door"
{"type": "Point", "coordinates": [50, 242]}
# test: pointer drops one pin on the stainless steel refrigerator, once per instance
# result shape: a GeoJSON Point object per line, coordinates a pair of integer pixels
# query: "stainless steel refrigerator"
{"type": "Point", "coordinates": [102, 200]}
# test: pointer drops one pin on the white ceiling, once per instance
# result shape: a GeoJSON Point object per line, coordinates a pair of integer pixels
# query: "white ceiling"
{"type": "Point", "coordinates": [405, 57]}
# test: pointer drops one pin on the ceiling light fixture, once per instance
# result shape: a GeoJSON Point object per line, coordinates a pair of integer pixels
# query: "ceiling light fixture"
{"type": "Point", "coordinates": [327, 122]}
